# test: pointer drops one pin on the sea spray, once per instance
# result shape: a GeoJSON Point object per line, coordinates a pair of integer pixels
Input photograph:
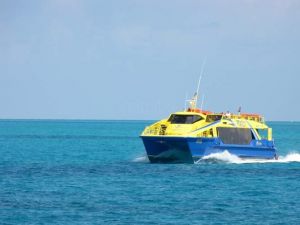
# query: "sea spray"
{"type": "Point", "coordinates": [291, 157]}
{"type": "Point", "coordinates": [141, 159]}
{"type": "Point", "coordinates": [226, 157]}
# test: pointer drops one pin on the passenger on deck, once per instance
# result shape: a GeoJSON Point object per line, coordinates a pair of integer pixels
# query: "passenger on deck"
{"type": "Point", "coordinates": [228, 114]}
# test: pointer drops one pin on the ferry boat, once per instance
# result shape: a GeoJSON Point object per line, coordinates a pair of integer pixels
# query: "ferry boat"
{"type": "Point", "coordinates": [187, 136]}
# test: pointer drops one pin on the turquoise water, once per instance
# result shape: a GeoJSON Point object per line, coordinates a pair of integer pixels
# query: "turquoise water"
{"type": "Point", "coordinates": [95, 172]}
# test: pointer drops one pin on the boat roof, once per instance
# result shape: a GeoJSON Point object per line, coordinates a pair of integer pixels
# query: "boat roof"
{"type": "Point", "coordinates": [253, 117]}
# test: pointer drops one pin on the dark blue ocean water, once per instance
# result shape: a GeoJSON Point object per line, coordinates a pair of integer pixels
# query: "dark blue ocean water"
{"type": "Point", "coordinates": [95, 172]}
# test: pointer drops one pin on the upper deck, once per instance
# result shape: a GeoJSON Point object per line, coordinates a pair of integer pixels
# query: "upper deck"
{"type": "Point", "coordinates": [199, 123]}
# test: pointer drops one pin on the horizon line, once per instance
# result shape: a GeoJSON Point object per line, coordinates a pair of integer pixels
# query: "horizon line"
{"type": "Point", "coordinates": [74, 119]}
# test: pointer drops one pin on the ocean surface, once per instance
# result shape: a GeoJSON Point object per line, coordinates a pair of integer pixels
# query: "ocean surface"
{"type": "Point", "coordinates": [96, 172]}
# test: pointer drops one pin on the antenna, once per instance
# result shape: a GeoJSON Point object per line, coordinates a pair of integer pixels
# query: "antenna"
{"type": "Point", "coordinates": [239, 110]}
{"type": "Point", "coordinates": [199, 81]}
{"type": "Point", "coordinates": [202, 103]}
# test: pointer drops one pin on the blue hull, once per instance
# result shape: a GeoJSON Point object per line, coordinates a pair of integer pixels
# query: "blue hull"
{"type": "Point", "coordinates": [189, 150]}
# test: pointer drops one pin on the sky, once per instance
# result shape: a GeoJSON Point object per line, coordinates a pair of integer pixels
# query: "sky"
{"type": "Point", "coordinates": [139, 59]}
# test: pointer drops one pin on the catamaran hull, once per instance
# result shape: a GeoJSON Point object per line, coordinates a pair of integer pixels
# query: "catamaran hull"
{"type": "Point", "coordinates": [189, 150]}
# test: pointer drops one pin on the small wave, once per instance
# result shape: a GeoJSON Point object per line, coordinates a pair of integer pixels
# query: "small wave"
{"type": "Point", "coordinates": [292, 157]}
{"type": "Point", "coordinates": [226, 157]}
{"type": "Point", "coordinates": [141, 159]}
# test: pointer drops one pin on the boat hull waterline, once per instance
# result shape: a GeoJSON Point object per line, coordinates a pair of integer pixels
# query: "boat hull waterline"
{"type": "Point", "coordinates": [191, 149]}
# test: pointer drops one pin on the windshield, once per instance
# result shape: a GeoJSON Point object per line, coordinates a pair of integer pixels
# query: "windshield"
{"type": "Point", "coordinates": [213, 118]}
{"type": "Point", "coordinates": [184, 119]}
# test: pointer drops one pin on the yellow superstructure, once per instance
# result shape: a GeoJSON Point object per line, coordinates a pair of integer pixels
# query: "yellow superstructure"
{"type": "Point", "coordinates": [197, 123]}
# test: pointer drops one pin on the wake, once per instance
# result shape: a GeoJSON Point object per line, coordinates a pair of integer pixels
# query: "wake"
{"type": "Point", "coordinates": [229, 158]}
{"type": "Point", "coordinates": [141, 159]}
{"type": "Point", "coordinates": [226, 157]}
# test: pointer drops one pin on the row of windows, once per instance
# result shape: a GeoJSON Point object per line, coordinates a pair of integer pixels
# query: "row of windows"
{"type": "Point", "coordinates": [241, 136]}
{"type": "Point", "coordinates": [184, 119]}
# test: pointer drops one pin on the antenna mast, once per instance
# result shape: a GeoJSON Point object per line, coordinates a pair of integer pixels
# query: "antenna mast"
{"type": "Point", "coordinates": [199, 81]}
{"type": "Point", "coordinates": [202, 103]}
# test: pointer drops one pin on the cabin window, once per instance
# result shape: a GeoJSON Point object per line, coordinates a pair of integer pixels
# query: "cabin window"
{"type": "Point", "coordinates": [238, 136]}
{"type": "Point", "coordinates": [213, 118]}
{"type": "Point", "coordinates": [184, 119]}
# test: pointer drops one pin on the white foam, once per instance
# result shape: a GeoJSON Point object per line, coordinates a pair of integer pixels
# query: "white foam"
{"type": "Point", "coordinates": [292, 157]}
{"type": "Point", "coordinates": [141, 159]}
{"type": "Point", "coordinates": [226, 157]}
